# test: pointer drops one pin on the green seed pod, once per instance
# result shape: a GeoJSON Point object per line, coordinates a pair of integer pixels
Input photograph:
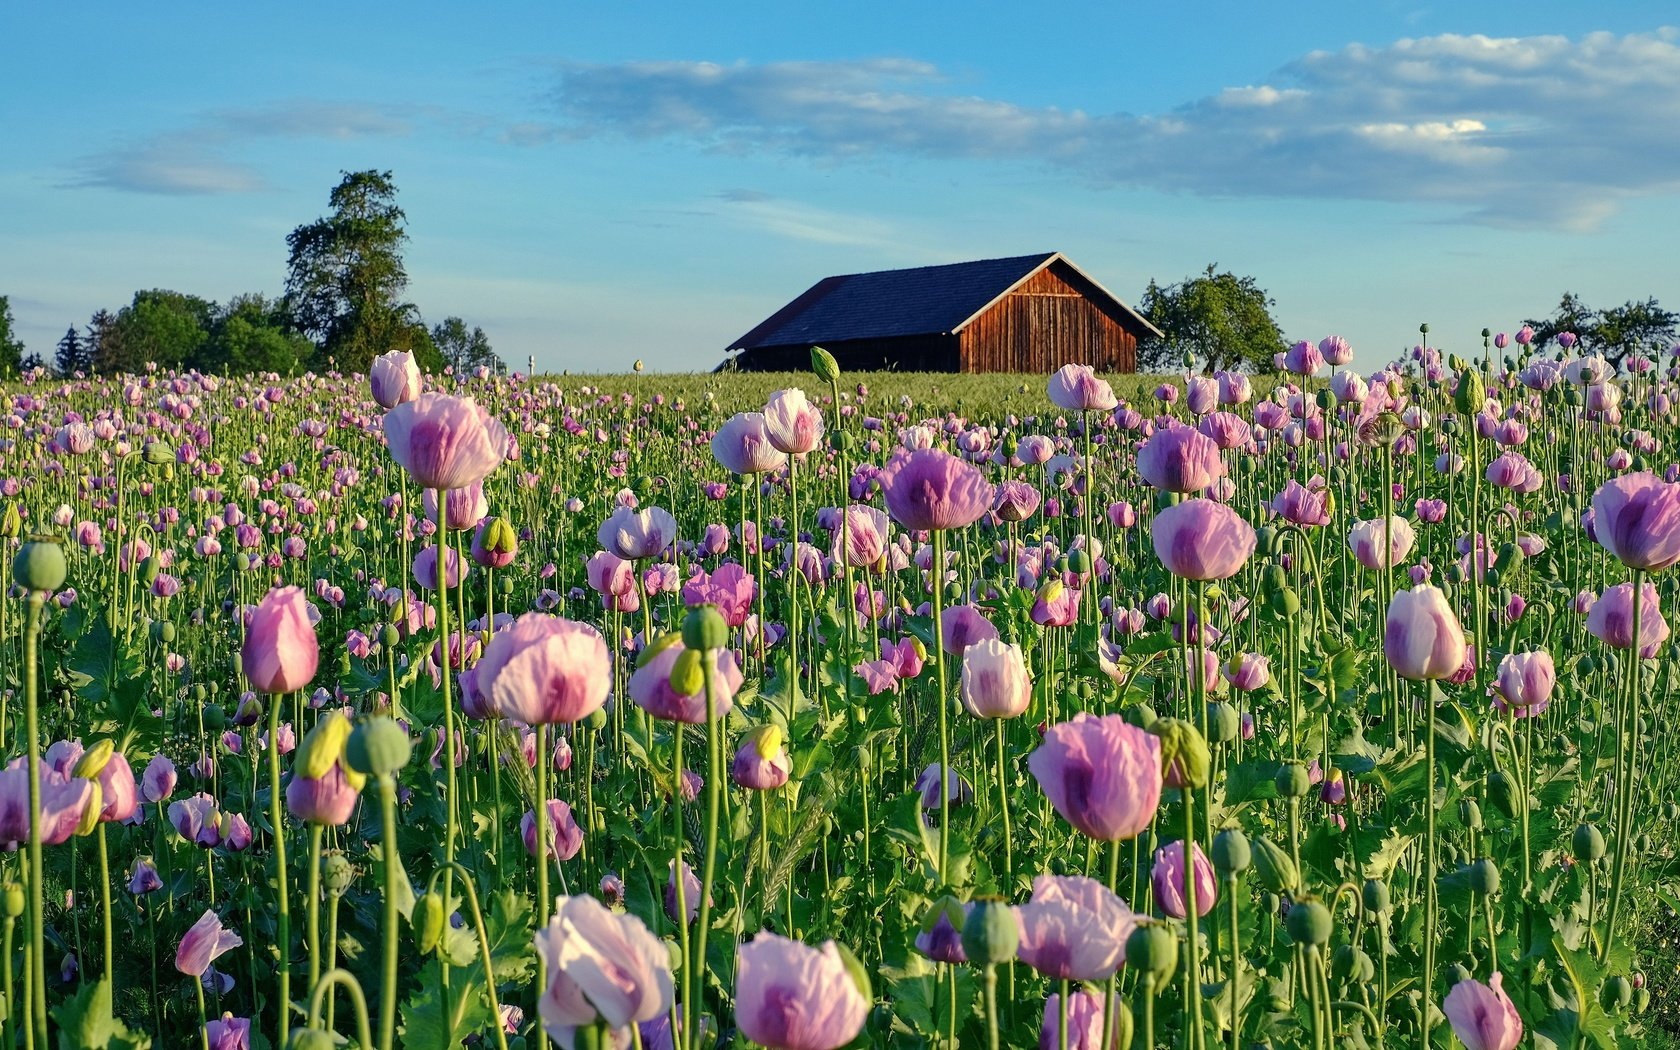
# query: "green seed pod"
{"type": "Point", "coordinates": [1327, 399]}
{"type": "Point", "coordinates": [1492, 576]}
{"type": "Point", "coordinates": [1470, 813]}
{"type": "Point", "coordinates": [1079, 561]}
{"type": "Point", "coordinates": [1231, 853]}
{"type": "Point", "coordinates": [1265, 538]}
{"type": "Point", "coordinates": [1308, 922]}
{"type": "Point", "coordinates": [703, 629]}
{"type": "Point", "coordinates": [1223, 723]}
{"type": "Point", "coordinates": [991, 933]}
{"type": "Point", "coordinates": [40, 565]}
{"type": "Point", "coordinates": [389, 636]}
{"type": "Point", "coordinates": [337, 874]}
{"type": "Point", "coordinates": [378, 747]}
{"type": "Point", "coordinates": [199, 692]}
{"type": "Point", "coordinates": [1293, 780]}
{"type": "Point", "coordinates": [1588, 843]}
{"type": "Point", "coordinates": [1275, 867]}
{"type": "Point", "coordinates": [824, 365]}
{"type": "Point", "coordinates": [1344, 963]}
{"type": "Point", "coordinates": [1286, 602]}
{"type": "Point", "coordinates": [1151, 949]}
{"type": "Point", "coordinates": [163, 631]}
{"type": "Point", "coordinates": [1374, 895]}
{"type": "Point", "coordinates": [1141, 715]}
{"type": "Point", "coordinates": [1484, 877]}
{"type": "Point", "coordinates": [215, 717]}
{"type": "Point", "coordinates": [1503, 794]}
{"type": "Point", "coordinates": [597, 719]}
{"type": "Point", "coordinates": [841, 441]}
{"type": "Point", "coordinates": [1615, 994]}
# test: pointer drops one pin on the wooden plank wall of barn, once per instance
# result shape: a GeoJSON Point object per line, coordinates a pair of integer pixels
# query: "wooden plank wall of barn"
{"type": "Point", "coordinates": [1050, 321]}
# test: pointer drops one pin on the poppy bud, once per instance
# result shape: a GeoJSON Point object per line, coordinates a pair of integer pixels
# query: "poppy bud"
{"type": "Point", "coordinates": [824, 365]}
{"type": "Point", "coordinates": [1470, 814]}
{"type": "Point", "coordinates": [310, 1039]}
{"type": "Point", "coordinates": [1615, 993]}
{"type": "Point", "coordinates": [390, 636]}
{"type": "Point", "coordinates": [14, 900]}
{"type": "Point", "coordinates": [427, 921]}
{"type": "Point", "coordinates": [11, 524]}
{"type": "Point", "coordinates": [159, 453]}
{"type": "Point", "coordinates": [1471, 392]}
{"type": "Point", "coordinates": [1502, 793]}
{"type": "Point", "coordinates": [94, 760]}
{"type": "Point", "coordinates": [1184, 754]}
{"type": "Point", "coordinates": [1275, 867]}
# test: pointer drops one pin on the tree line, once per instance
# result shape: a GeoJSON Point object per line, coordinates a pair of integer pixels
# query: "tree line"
{"type": "Point", "coordinates": [1225, 320]}
{"type": "Point", "coordinates": [343, 305]}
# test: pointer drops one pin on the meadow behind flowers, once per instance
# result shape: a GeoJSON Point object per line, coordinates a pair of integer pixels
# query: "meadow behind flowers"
{"type": "Point", "coordinates": [1303, 709]}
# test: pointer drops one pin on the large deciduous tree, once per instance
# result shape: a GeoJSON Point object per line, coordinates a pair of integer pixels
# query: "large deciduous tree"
{"type": "Point", "coordinates": [1218, 318]}
{"type": "Point", "coordinates": [345, 277]}
{"type": "Point", "coordinates": [251, 335]}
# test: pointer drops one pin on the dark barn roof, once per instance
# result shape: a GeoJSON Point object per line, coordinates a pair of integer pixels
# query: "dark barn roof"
{"type": "Point", "coordinates": [924, 300]}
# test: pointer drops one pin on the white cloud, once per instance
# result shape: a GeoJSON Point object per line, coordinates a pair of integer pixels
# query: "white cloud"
{"type": "Point", "coordinates": [1523, 131]}
{"type": "Point", "coordinates": [194, 160]}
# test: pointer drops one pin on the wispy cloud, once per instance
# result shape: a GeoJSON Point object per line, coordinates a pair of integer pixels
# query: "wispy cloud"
{"type": "Point", "coordinates": [802, 222]}
{"type": "Point", "coordinates": [1521, 131]}
{"type": "Point", "coordinates": [200, 158]}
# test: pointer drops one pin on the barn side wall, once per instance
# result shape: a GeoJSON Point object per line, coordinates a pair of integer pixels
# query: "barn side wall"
{"type": "Point", "coordinates": [1049, 321]}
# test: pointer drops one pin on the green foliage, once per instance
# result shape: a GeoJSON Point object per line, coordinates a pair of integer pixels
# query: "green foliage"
{"type": "Point", "coordinates": [345, 277]}
{"type": "Point", "coordinates": [463, 350]}
{"type": "Point", "coordinates": [1219, 318]}
{"type": "Point", "coordinates": [85, 1022]}
{"type": "Point", "coordinates": [1636, 326]}
{"type": "Point", "coordinates": [11, 348]}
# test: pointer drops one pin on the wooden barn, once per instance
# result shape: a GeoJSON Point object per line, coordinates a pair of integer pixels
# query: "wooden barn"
{"type": "Point", "coordinates": [1028, 313]}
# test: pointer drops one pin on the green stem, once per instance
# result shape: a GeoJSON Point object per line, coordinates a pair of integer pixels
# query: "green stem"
{"type": "Point", "coordinates": [37, 896]}
{"type": "Point", "coordinates": [388, 845]}
{"type": "Point", "coordinates": [938, 650]}
{"type": "Point", "coordinates": [344, 977]}
{"type": "Point", "coordinates": [313, 904]}
{"type": "Point", "coordinates": [708, 871]}
{"type": "Point", "coordinates": [283, 935]}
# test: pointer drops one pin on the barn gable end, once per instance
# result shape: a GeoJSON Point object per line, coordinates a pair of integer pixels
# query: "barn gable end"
{"type": "Point", "coordinates": [1030, 313]}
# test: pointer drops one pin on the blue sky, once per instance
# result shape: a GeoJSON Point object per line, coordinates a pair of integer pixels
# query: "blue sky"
{"type": "Point", "coordinates": [650, 180]}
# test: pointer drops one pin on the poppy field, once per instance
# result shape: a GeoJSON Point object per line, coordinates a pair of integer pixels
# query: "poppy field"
{"type": "Point", "coordinates": [1300, 709]}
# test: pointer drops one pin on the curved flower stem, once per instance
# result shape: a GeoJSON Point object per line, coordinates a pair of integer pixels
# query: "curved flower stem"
{"type": "Point", "coordinates": [203, 1020]}
{"type": "Point", "coordinates": [283, 927]}
{"type": "Point", "coordinates": [344, 977]}
{"type": "Point", "coordinates": [455, 867]}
